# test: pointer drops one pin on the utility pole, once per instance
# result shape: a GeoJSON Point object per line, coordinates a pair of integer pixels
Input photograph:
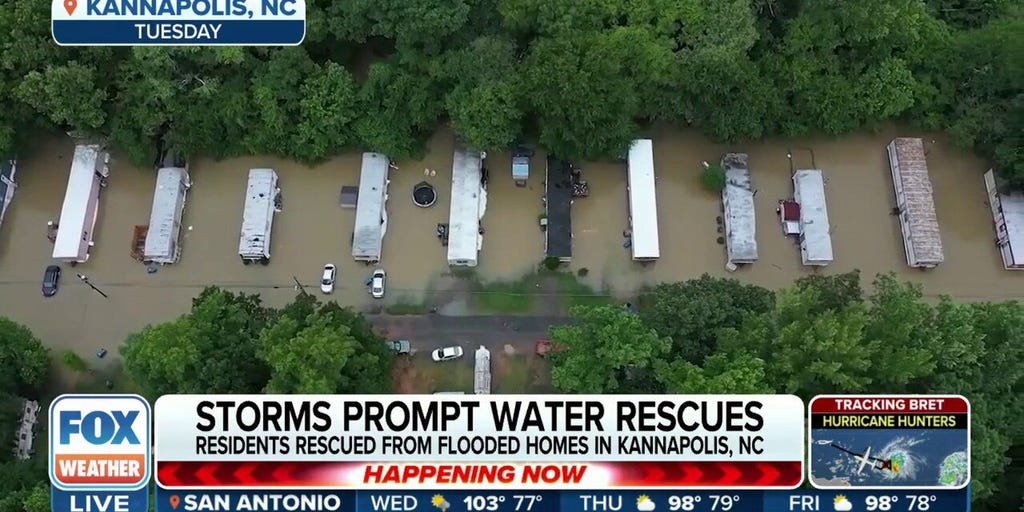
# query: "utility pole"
{"type": "Point", "coordinates": [85, 279]}
{"type": "Point", "coordinates": [299, 286]}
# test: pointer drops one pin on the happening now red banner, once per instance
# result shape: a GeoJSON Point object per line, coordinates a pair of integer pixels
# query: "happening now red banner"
{"type": "Point", "coordinates": [710, 474]}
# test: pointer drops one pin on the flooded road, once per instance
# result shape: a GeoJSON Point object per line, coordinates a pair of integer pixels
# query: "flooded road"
{"type": "Point", "coordinates": [313, 229]}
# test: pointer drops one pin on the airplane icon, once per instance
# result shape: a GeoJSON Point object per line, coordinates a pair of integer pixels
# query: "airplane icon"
{"type": "Point", "coordinates": [866, 458]}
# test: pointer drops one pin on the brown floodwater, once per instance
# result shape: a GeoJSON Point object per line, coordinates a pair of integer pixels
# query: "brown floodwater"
{"type": "Point", "coordinates": [313, 229]}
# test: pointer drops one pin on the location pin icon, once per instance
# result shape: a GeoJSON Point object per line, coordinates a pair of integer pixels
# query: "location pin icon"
{"type": "Point", "coordinates": [70, 5]}
{"type": "Point", "coordinates": [175, 500]}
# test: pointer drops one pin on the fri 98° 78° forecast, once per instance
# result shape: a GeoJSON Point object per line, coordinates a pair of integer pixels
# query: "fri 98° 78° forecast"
{"type": "Point", "coordinates": [178, 22]}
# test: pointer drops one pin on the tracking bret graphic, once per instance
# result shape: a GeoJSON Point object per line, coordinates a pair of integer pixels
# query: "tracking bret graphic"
{"type": "Point", "coordinates": [100, 442]}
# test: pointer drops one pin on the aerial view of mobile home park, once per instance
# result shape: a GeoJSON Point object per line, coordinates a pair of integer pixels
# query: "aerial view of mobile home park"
{"type": "Point", "coordinates": [522, 196]}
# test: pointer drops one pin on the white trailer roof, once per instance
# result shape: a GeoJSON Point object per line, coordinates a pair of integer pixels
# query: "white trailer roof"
{"type": "Point", "coordinates": [368, 236]}
{"type": "Point", "coordinates": [468, 198]}
{"type": "Point", "coordinates": [7, 185]}
{"type": "Point", "coordinates": [482, 378]}
{"type": "Point", "coordinates": [918, 220]}
{"type": "Point", "coordinates": [809, 192]}
{"type": "Point", "coordinates": [643, 206]}
{"type": "Point", "coordinates": [75, 220]}
{"type": "Point", "coordinates": [738, 200]}
{"type": "Point", "coordinates": [258, 213]}
{"type": "Point", "coordinates": [1009, 205]}
{"type": "Point", "coordinates": [165, 218]}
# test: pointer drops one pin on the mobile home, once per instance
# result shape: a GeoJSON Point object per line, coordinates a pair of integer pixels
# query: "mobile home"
{"type": "Point", "coordinates": [738, 207]}
{"type": "Point", "coordinates": [1008, 220]}
{"type": "Point", "coordinates": [89, 172]}
{"type": "Point", "coordinates": [469, 200]}
{"type": "Point", "coordinates": [558, 209]}
{"type": "Point", "coordinates": [7, 186]}
{"type": "Point", "coordinates": [261, 204]}
{"type": "Point", "coordinates": [914, 203]}
{"type": "Point", "coordinates": [371, 209]}
{"type": "Point", "coordinates": [163, 238]}
{"type": "Point", "coordinates": [643, 207]}
{"type": "Point", "coordinates": [815, 234]}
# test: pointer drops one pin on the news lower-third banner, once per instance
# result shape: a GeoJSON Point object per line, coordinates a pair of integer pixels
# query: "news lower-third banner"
{"type": "Point", "coordinates": [178, 22]}
{"type": "Point", "coordinates": [478, 441]}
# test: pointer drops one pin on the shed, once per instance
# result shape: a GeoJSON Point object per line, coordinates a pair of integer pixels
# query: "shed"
{"type": "Point", "coordinates": [914, 202]}
{"type": "Point", "coordinates": [1008, 221]}
{"type": "Point", "coordinates": [815, 233]}
{"type": "Point", "coordinates": [738, 206]}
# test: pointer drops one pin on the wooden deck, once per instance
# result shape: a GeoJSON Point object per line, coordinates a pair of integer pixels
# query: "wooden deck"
{"type": "Point", "coordinates": [139, 242]}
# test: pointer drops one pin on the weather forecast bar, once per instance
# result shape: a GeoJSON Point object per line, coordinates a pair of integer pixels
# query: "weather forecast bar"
{"type": "Point", "coordinates": [564, 501]}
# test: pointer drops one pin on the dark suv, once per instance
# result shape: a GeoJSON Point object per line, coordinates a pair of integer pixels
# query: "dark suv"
{"type": "Point", "coordinates": [51, 280]}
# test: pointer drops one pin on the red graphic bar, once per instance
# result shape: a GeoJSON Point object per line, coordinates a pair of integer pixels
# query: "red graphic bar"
{"type": "Point", "coordinates": [786, 474]}
{"type": "Point", "coordinates": [882, 404]}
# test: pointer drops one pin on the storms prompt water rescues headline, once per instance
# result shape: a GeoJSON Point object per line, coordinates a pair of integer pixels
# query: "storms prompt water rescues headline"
{"type": "Point", "coordinates": [479, 428]}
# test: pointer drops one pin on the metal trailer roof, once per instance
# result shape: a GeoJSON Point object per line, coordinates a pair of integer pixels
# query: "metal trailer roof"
{"type": "Point", "coordinates": [81, 201]}
{"type": "Point", "coordinates": [815, 233]}
{"type": "Point", "coordinates": [520, 167]}
{"type": "Point", "coordinates": [467, 208]}
{"type": "Point", "coordinates": [739, 219]}
{"type": "Point", "coordinates": [920, 225]}
{"type": "Point", "coordinates": [643, 205]}
{"type": "Point", "coordinates": [371, 216]}
{"type": "Point", "coordinates": [7, 185]}
{"type": "Point", "coordinates": [558, 205]}
{"type": "Point", "coordinates": [482, 375]}
{"type": "Point", "coordinates": [258, 213]}
{"type": "Point", "coordinates": [162, 239]}
{"type": "Point", "coordinates": [1007, 207]}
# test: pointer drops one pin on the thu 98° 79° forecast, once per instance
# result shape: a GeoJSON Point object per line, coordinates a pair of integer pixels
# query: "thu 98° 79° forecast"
{"type": "Point", "coordinates": [178, 22]}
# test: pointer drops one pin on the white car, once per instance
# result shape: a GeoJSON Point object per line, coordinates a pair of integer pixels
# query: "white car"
{"type": "Point", "coordinates": [377, 284]}
{"type": "Point", "coordinates": [446, 354]}
{"type": "Point", "coordinates": [327, 281]}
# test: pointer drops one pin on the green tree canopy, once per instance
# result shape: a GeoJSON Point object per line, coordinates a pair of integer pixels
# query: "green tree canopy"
{"type": "Point", "coordinates": [601, 348]}
{"type": "Point", "coordinates": [313, 349]}
{"type": "Point", "coordinates": [691, 312]}
{"type": "Point", "coordinates": [212, 349]}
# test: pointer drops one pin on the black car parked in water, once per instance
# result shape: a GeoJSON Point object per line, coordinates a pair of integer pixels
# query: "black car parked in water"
{"type": "Point", "coordinates": [51, 280]}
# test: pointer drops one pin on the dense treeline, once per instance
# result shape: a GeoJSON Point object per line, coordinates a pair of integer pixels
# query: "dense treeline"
{"type": "Point", "coordinates": [24, 372]}
{"type": "Point", "coordinates": [579, 78]}
{"type": "Point", "coordinates": [821, 336]}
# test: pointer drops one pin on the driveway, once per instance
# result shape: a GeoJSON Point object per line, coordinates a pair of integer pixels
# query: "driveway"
{"type": "Point", "coordinates": [427, 332]}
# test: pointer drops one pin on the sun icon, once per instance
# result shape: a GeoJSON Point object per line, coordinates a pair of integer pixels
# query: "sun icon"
{"type": "Point", "coordinates": [642, 498]}
{"type": "Point", "coordinates": [839, 499]}
{"type": "Point", "coordinates": [438, 501]}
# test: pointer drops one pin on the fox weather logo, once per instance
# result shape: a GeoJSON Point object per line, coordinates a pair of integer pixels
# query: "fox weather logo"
{"type": "Point", "coordinates": [100, 442]}
{"type": "Point", "coordinates": [178, 22]}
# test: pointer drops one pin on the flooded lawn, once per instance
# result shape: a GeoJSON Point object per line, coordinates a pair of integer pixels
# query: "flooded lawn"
{"type": "Point", "coordinates": [313, 229]}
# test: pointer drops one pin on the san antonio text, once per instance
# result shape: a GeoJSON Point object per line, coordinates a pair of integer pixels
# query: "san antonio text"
{"type": "Point", "coordinates": [479, 445]}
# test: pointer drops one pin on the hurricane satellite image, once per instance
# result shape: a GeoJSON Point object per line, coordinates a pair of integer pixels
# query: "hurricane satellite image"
{"type": "Point", "coordinates": [882, 458]}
